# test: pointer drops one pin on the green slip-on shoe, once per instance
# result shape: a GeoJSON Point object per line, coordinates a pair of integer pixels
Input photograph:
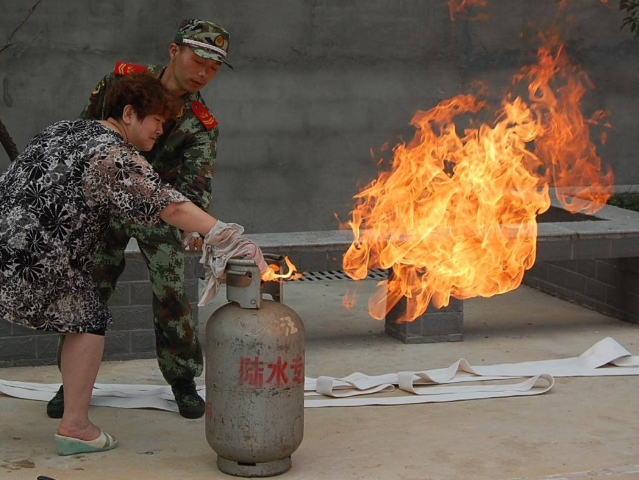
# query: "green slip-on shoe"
{"type": "Point", "coordinates": [74, 446]}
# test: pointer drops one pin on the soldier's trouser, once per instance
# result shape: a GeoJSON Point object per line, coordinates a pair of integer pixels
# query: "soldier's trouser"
{"type": "Point", "coordinates": [177, 346]}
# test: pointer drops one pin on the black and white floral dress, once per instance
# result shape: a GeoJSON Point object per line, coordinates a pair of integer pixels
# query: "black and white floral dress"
{"type": "Point", "coordinates": [56, 200]}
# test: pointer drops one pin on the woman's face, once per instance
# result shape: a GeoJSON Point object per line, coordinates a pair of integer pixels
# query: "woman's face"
{"type": "Point", "coordinates": [143, 133]}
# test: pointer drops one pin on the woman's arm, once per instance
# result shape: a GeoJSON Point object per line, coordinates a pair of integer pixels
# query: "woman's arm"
{"type": "Point", "coordinates": [227, 238]}
{"type": "Point", "coordinates": [188, 217]}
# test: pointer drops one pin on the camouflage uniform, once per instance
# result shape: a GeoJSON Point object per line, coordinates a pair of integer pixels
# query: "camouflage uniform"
{"type": "Point", "coordinates": [183, 157]}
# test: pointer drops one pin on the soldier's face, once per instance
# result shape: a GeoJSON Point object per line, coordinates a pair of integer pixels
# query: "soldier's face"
{"type": "Point", "coordinates": [192, 72]}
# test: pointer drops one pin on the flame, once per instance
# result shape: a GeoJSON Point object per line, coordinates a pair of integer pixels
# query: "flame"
{"type": "Point", "coordinates": [456, 7]}
{"type": "Point", "coordinates": [564, 3]}
{"type": "Point", "coordinates": [460, 7]}
{"type": "Point", "coordinates": [566, 148]}
{"type": "Point", "coordinates": [456, 213]}
{"type": "Point", "coordinates": [272, 274]}
{"type": "Point", "coordinates": [349, 299]}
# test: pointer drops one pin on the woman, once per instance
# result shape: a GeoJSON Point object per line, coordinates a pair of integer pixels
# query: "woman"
{"type": "Point", "coordinates": [56, 199]}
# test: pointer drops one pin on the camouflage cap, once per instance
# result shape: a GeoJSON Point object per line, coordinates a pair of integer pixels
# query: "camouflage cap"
{"type": "Point", "coordinates": [206, 39]}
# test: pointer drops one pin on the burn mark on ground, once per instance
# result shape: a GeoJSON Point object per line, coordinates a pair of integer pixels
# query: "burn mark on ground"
{"type": "Point", "coordinates": [17, 465]}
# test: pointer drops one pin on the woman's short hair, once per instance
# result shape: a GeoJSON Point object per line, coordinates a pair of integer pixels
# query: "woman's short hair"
{"type": "Point", "coordinates": [144, 93]}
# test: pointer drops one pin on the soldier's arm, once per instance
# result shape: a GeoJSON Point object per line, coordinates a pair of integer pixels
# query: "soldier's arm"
{"type": "Point", "coordinates": [196, 174]}
{"type": "Point", "coordinates": [94, 109]}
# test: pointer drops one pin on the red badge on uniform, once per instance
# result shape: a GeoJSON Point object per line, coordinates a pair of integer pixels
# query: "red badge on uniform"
{"type": "Point", "coordinates": [123, 68]}
{"type": "Point", "coordinates": [203, 114]}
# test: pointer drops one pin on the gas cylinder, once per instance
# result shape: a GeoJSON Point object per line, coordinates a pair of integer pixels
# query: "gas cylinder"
{"type": "Point", "coordinates": [254, 377]}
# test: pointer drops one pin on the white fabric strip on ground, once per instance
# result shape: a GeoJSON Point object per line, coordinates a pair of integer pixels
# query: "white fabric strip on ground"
{"type": "Point", "coordinates": [607, 357]}
{"type": "Point", "coordinates": [534, 386]}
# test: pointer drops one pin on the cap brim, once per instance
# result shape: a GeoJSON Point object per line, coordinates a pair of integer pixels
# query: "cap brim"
{"type": "Point", "coordinates": [211, 56]}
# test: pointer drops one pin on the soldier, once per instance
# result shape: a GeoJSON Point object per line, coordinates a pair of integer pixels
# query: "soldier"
{"type": "Point", "coordinates": [183, 157]}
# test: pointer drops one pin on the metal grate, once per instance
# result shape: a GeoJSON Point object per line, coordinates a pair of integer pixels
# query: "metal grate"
{"type": "Point", "coordinates": [330, 275]}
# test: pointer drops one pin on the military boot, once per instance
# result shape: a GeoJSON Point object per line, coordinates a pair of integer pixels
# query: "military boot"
{"type": "Point", "coordinates": [55, 407]}
{"type": "Point", "coordinates": [189, 402]}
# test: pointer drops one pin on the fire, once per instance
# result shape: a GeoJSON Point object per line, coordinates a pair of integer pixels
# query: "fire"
{"type": "Point", "coordinates": [456, 7]}
{"type": "Point", "coordinates": [349, 299]}
{"type": "Point", "coordinates": [565, 147]}
{"type": "Point", "coordinates": [460, 7]}
{"type": "Point", "coordinates": [272, 274]}
{"type": "Point", "coordinates": [456, 213]}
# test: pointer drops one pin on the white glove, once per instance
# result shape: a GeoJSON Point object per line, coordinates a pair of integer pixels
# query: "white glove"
{"type": "Point", "coordinates": [227, 241]}
{"type": "Point", "coordinates": [223, 242]}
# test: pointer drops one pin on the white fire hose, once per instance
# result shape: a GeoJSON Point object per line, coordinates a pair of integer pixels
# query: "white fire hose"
{"type": "Point", "coordinates": [605, 358]}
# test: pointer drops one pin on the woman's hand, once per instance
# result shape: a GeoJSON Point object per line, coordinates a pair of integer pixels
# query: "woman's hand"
{"type": "Point", "coordinates": [227, 241]}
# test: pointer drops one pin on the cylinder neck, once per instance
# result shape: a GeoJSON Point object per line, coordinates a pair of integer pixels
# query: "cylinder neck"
{"type": "Point", "coordinates": [244, 284]}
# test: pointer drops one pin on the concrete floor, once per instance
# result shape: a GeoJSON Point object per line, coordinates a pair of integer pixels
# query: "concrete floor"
{"type": "Point", "coordinates": [585, 428]}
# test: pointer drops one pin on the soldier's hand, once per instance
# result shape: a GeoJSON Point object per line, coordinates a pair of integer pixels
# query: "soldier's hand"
{"type": "Point", "coordinates": [192, 241]}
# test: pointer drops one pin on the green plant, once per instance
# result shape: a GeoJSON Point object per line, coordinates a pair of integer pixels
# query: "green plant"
{"type": "Point", "coordinates": [632, 19]}
{"type": "Point", "coordinates": [628, 200]}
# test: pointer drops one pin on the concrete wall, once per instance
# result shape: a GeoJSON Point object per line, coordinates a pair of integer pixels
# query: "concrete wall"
{"type": "Point", "coordinates": [317, 83]}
